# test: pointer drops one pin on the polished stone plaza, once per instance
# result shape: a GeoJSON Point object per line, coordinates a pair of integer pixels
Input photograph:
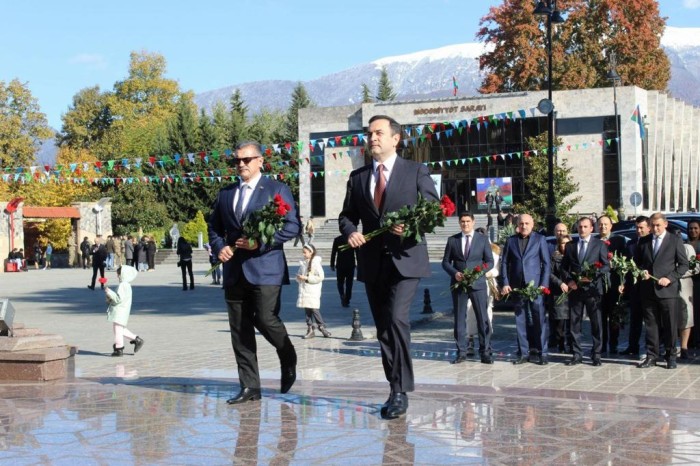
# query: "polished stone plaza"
{"type": "Point", "coordinates": [167, 404]}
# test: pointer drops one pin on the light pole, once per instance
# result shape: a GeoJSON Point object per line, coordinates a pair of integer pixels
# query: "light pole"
{"type": "Point", "coordinates": [615, 78]}
{"type": "Point", "coordinates": [549, 9]}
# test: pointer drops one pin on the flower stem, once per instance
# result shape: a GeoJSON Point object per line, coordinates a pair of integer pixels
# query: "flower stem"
{"type": "Point", "coordinates": [218, 263]}
{"type": "Point", "coordinates": [367, 237]}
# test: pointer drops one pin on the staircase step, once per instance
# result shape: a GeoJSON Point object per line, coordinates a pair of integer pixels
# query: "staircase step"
{"type": "Point", "coordinates": [30, 342]}
{"type": "Point", "coordinates": [25, 332]}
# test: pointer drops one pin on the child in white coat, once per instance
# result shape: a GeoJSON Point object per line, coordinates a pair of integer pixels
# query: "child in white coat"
{"type": "Point", "coordinates": [119, 310]}
{"type": "Point", "coordinates": [310, 278]}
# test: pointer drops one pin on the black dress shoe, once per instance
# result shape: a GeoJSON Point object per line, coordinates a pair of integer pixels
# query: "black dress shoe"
{"type": "Point", "coordinates": [486, 359]}
{"type": "Point", "coordinates": [289, 376]}
{"type": "Point", "coordinates": [246, 394]}
{"type": "Point", "coordinates": [459, 359]}
{"type": "Point", "coordinates": [573, 361]}
{"type": "Point", "coordinates": [520, 361]}
{"type": "Point", "coordinates": [541, 360]}
{"type": "Point", "coordinates": [671, 364]}
{"type": "Point", "coordinates": [596, 362]}
{"type": "Point", "coordinates": [398, 404]}
{"type": "Point", "coordinates": [648, 362]}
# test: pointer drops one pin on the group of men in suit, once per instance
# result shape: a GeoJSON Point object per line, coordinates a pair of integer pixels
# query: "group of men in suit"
{"type": "Point", "coordinates": [391, 267]}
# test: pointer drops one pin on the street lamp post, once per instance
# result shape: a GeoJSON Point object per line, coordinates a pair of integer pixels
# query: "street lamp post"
{"type": "Point", "coordinates": [549, 9]}
{"type": "Point", "coordinates": [615, 78]}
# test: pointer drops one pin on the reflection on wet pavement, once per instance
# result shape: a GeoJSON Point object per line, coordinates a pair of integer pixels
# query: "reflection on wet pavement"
{"type": "Point", "coordinates": [159, 421]}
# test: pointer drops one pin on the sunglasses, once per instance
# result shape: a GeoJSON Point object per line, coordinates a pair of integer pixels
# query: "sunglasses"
{"type": "Point", "coordinates": [245, 160]}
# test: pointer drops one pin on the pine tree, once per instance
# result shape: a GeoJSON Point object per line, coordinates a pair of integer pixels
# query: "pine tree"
{"type": "Point", "coordinates": [300, 99]}
{"type": "Point", "coordinates": [385, 92]}
{"type": "Point", "coordinates": [182, 127]}
{"type": "Point", "coordinates": [206, 133]}
{"type": "Point", "coordinates": [580, 46]}
{"type": "Point", "coordinates": [366, 94]}
{"type": "Point", "coordinates": [238, 119]}
{"type": "Point", "coordinates": [221, 121]}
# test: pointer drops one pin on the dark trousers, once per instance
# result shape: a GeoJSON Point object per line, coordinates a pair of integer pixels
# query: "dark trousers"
{"type": "Point", "coordinates": [661, 320]}
{"type": "Point", "coordinates": [636, 321]}
{"type": "Point", "coordinates": [95, 268]}
{"type": "Point", "coordinates": [611, 332]}
{"type": "Point", "coordinates": [390, 298]}
{"type": "Point", "coordinates": [86, 260]}
{"type": "Point", "coordinates": [186, 267]}
{"type": "Point", "coordinates": [531, 327]}
{"type": "Point", "coordinates": [479, 300]}
{"type": "Point", "coordinates": [253, 307]}
{"type": "Point", "coordinates": [578, 302]}
{"type": "Point", "coordinates": [344, 280]}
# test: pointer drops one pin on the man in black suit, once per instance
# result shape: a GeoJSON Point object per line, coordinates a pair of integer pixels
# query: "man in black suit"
{"type": "Point", "coordinates": [636, 320]}
{"type": "Point", "coordinates": [254, 275]}
{"type": "Point", "coordinates": [586, 293]}
{"type": "Point", "coordinates": [615, 244]}
{"type": "Point", "coordinates": [98, 252]}
{"type": "Point", "coordinates": [390, 266]}
{"type": "Point", "coordinates": [467, 250]}
{"type": "Point", "coordinates": [662, 256]}
{"type": "Point", "coordinates": [343, 264]}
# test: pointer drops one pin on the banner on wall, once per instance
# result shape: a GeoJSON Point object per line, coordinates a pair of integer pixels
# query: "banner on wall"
{"type": "Point", "coordinates": [494, 194]}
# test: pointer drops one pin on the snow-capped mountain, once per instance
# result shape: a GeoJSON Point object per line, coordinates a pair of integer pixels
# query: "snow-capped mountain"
{"type": "Point", "coordinates": [428, 75]}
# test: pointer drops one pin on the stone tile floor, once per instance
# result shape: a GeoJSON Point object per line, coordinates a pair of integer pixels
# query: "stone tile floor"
{"type": "Point", "coordinates": [167, 405]}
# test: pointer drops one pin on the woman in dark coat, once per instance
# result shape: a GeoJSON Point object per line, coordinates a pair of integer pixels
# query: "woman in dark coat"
{"type": "Point", "coordinates": [558, 313]}
{"type": "Point", "coordinates": [151, 253]}
{"type": "Point", "coordinates": [184, 255]}
{"type": "Point", "coordinates": [141, 254]}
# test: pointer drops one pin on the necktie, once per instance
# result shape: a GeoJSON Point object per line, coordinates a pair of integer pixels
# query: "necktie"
{"type": "Point", "coordinates": [657, 243]}
{"type": "Point", "coordinates": [239, 205]}
{"type": "Point", "coordinates": [582, 251]}
{"type": "Point", "coordinates": [379, 187]}
{"type": "Point", "coordinates": [467, 245]}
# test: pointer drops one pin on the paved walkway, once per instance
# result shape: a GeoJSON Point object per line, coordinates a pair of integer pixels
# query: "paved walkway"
{"type": "Point", "coordinates": [166, 405]}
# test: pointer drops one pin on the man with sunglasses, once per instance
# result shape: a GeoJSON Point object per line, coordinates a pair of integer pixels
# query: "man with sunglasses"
{"type": "Point", "coordinates": [254, 274]}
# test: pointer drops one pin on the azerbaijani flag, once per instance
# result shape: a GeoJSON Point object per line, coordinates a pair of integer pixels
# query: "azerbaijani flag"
{"type": "Point", "coordinates": [637, 118]}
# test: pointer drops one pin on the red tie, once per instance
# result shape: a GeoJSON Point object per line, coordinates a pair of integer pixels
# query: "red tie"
{"type": "Point", "coordinates": [379, 187]}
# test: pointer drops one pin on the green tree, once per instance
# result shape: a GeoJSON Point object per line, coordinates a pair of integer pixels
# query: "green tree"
{"type": "Point", "coordinates": [206, 133]}
{"type": "Point", "coordinates": [192, 229]}
{"type": "Point", "coordinates": [581, 45]}
{"type": "Point", "coordinates": [385, 91]}
{"type": "Point", "coordinates": [136, 206]}
{"type": "Point", "coordinates": [87, 120]}
{"type": "Point", "coordinates": [220, 120]}
{"type": "Point", "coordinates": [536, 183]}
{"type": "Point", "coordinates": [238, 121]}
{"type": "Point", "coordinates": [182, 127]}
{"type": "Point", "coordinates": [268, 127]}
{"type": "Point", "coordinates": [300, 99]}
{"type": "Point", "coordinates": [22, 125]}
{"type": "Point", "coordinates": [366, 94]}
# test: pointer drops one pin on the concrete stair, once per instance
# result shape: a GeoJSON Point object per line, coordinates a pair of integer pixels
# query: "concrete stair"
{"type": "Point", "coordinates": [29, 355]}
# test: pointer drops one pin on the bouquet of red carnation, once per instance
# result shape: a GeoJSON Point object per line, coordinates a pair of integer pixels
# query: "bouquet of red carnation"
{"type": "Point", "coordinates": [589, 272]}
{"type": "Point", "coordinates": [531, 291]}
{"type": "Point", "coordinates": [417, 220]}
{"type": "Point", "coordinates": [469, 277]}
{"type": "Point", "coordinates": [261, 225]}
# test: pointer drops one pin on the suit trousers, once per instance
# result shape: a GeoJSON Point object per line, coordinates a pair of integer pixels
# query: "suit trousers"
{"type": "Point", "coordinates": [344, 279]}
{"type": "Point", "coordinates": [578, 302]}
{"type": "Point", "coordinates": [660, 312]}
{"type": "Point", "coordinates": [253, 307]}
{"type": "Point", "coordinates": [611, 332]}
{"type": "Point", "coordinates": [531, 327]}
{"type": "Point", "coordinates": [636, 320]}
{"type": "Point", "coordinates": [479, 301]}
{"type": "Point", "coordinates": [95, 268]}
{"type": "Point", "coordinates": [390, 298]}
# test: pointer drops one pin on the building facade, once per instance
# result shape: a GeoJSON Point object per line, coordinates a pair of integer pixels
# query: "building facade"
{"type": "Point", "coordinates": [472, 143]}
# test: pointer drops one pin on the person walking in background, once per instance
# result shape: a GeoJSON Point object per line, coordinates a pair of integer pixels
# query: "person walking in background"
{"type": "Point", "coordinates": [47, 255]}
{"type": "Point", "coordinates": [216, 274]}
{"type": "Point", "coordinates": [310, 229]}
{"type": "Point", "coordinates": [37, 254]}
{"type": "Point", "coordinates": [525, 259]}
{"type": "Point", "coordinates": [129, 250]}
{"type": "Point", "coordinates": [661, 255]}
{"type": "Point", "coordinates": [109, 246]}
{"type": "Point", "coordinates": [300, 237]}
{"type": "Point", "coordinates": [85, 252]}
{"type": "Point", "coordinates": [343, 264]}
{"type": "Point", "coordinates": [151, 250]}
{"type": "Point", "coordinates": [465, 251]}
{"type": "Point", "coordinates": [141, 254]}
{"type": "Point", "coordinates": [310, 279]}
{"type": "Point", "coordinates": [119, 310]}
{"type": "Point", "coordinates": [254, 275]}
{"type": "Point", "coordinates": [390, 266]}
{"type": "Point", "coordinates": [184, 254]}
{"type": "Point", "coordinates": [118, 251]}
{"type": "Point", "coordinates": [98, 253]}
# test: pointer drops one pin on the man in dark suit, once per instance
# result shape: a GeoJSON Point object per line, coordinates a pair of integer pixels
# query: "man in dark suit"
{"type": "Point", "coordinates": [343, 263]}
{"type": "Point", "coordinates": [661, 255]}
{"type": "Point", "coordinates": [586, 292]}
{"type": "Point", "coordinates": [390, 266]}
{"type": "Point", "coordinates": [98, 252]}
{"type": "Point", "coordinates": [526, 258]}
{"type": "Point", "coordinates": [466, 250]}
{"type": "Point", "coordinates": [616, 245]}
{"type": "Point", "coordinates": [636, 320]}
{"type": "Point", "coordinates": [254, 275]}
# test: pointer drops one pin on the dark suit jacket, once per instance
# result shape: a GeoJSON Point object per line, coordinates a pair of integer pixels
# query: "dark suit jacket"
{"type": "Point", "coordinates": [671, 262]}
{"type": "Point", "coordinates": [408, 179]}
{"type": "Point", "coordinates": [517, 270]}
{"type": "Point", "coordinates": [266, 265]}
{"type": "Point", "coordinates": [342, 260]}
{"type": "Point", "coordinates": [597, 251]}
{"type": "Point", "coordinates": [480, 253]}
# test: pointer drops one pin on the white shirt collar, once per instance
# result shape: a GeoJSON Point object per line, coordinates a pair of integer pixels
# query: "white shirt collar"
{"type": "Point", "coordinates": [388, 164]}
{"type": "Point", "coordinates": [253, 182]}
